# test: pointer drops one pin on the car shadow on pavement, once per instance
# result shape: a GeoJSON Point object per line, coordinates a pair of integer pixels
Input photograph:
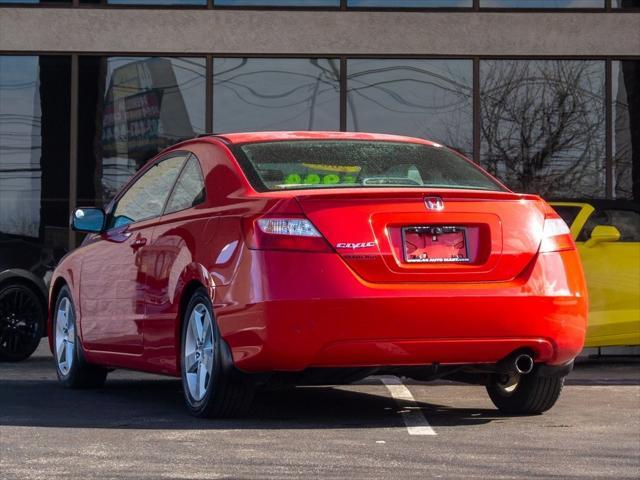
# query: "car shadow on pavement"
{"type": "Point", "coordinates": [31, 396]}
{"type": "Point", "coordinates": [158, 404]}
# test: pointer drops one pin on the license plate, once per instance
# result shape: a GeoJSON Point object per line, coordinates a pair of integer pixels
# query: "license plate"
{"type": "Point", "coordinates": [435, 244]}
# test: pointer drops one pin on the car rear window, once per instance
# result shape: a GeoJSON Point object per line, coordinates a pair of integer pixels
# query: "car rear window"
{"type": "Point", "coordinates": [302, 164]}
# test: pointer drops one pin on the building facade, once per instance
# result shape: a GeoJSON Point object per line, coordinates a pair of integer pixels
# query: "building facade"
{"type": "Point", "coordinates": [545, 94]}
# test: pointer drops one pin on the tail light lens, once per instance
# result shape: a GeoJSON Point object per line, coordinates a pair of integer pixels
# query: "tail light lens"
{"type": "Point", "coordinates": [556, 235]}
{"type": "Point", "coordinates": [300, 227]}
{"type": "Point", "coordinates": [285, 233]}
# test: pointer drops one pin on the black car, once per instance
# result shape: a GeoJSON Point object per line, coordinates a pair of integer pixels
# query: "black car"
{"type": "Point", "coordinates": [25, 269]}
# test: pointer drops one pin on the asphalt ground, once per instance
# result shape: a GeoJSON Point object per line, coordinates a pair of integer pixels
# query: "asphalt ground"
{"type": "Point", "coordinates": [136, 427]}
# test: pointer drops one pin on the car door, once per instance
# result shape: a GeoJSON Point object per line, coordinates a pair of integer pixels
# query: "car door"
{"type": "Point", "coordinates": [613, 278]}
{"type": "Point", "coordinates": [113, 273]}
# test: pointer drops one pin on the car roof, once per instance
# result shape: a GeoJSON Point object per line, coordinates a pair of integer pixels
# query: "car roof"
{"type": "Point", "coordinates": [253, 137]}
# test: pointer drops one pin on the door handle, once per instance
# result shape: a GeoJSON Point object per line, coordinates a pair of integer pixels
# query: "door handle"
{"type": "Point", "coordinates": [138, 243]}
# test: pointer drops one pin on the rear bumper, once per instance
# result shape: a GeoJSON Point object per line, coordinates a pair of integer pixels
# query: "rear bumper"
{"type": "Point", "coordinates": [292, 311]}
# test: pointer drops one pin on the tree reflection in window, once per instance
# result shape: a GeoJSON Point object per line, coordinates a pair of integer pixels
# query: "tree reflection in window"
{"type": "Point", "coordinates": [542, 3]}
{"type": "Point", "coordinates": [543, 125]}
{"type": "Point", "coordinates": [423, 98]}
{"type": "Point", "coordinates": [411, 3]}
{"type": "Point", "coordinates": [276, 3]}
{"type": "Point", "coordinates": [253, 94]}
{"type": "Point", "coordinates": [626, 129]}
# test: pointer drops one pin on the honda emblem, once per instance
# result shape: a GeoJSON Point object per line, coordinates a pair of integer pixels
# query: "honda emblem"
{"type": "Point", "coordinates": [434, 203]}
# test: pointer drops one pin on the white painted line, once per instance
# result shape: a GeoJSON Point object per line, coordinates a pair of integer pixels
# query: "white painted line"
{"type": "Point", "coordinates": [412, 416]}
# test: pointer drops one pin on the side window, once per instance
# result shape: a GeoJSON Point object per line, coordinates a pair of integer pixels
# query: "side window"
{"type": "Point", "coordinates": [189, 190]}
{"type": "Point", "coordinates": [598, 217]}
{"type": "Point", "coordinates": [147, 196]}
{"type": "Point", "coordinates": [626, 221]}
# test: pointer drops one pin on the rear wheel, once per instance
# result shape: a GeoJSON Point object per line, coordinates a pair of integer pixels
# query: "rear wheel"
{"type": "Point", "coordinates": [524, 394]}
{"type": "Point", "coordinates": [73, 371]}
{"type": "Point", "coordinates": [22, 318]}
{"type": "Point", "coordinates": [210, 390]}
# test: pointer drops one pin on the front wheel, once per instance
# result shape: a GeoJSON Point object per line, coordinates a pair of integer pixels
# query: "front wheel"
{"type": "Point", "coordinates": [524, 394]}
{"type": "Point", "coordinates": [210, 390]}
{"type": "Point", "coordinates": [73, 371]}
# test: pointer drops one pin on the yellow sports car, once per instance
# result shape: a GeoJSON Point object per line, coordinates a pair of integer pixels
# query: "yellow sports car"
{"type": "Point", "coordinates": [607, 233]}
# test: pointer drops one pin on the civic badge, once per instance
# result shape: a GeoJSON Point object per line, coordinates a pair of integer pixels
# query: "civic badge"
{"type": "Point", "coordinates": [434, 203]}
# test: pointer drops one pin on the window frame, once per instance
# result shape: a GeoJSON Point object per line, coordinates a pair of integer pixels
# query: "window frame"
{"type": "Point", "coordinates": [175, 184]}
{"type": "Point", "coordinates": [141, 173]}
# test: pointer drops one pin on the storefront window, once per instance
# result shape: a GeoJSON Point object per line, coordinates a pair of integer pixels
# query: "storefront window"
{"type": "Point", "coordinates": [542, 3]}
{"type": "Point", "coordinates": [131, 108]}
{"type": "Point", "coordinates": [34, 158]}
{"type": "Point", "coordinates": [543, 125]}
{"type": "Point", "coordinates": [411, 3]}
{"type": "Point", "coordinates": [626, 129]}
{"type": "Point", "coordinates": [149, 2]}
{"type": "Point", "coordinates": [251, 94]}
{"type": "Point", "coordinates": [423, 98]}
{"type": "Point", "coordinates": [44, 2]}
{"type": "Point", "coordinates": [626, 4]}
{"type": "Point", "coordinates": [278, 3]}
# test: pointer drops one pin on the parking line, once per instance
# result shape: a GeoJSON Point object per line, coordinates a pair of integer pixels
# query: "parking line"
{"type": "Point", "coordinates": [412, 416]}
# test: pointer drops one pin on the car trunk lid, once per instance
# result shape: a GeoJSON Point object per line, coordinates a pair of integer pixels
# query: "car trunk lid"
{"type": "Point", "coordinates": [389, 236]}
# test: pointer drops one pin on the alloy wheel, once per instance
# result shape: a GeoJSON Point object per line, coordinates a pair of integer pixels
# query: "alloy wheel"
{"type": "Point", "coordinates": [198, 352]}
{"type": "Point", "coordinates": [65, 336]}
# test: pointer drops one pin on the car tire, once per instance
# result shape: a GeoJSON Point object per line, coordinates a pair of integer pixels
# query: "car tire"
{"type": "Point", "coordinates": [524, 394]}
{"type": "Point", "coordinates": [211, 388]}
{"type": "Point", "coordinates": [72, 369]}
{"type": "Point", "coordinates": [22, 320]}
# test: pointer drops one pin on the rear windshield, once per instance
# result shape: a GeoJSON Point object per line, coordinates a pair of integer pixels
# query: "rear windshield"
{"type": "Point", "coordinates": [303, 164]}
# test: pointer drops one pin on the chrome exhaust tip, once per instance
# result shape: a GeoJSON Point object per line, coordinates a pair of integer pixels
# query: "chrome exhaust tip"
{"type": "Point", "coordinates": [523, 364]}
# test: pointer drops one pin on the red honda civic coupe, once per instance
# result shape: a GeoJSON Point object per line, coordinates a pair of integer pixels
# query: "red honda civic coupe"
{"type": "Point", "coordinates": [233, 261]}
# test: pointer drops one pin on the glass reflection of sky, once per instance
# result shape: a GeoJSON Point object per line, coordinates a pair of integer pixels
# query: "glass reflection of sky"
{"type": "Point", "coordinates": [20, 145]}
{"type": "Point", "coordinates": [275, 94]}
{"type": "Point", "coordinates": [542, 3]}
{"type": "Point", "coordinates": [412, 3]}
{"type": "Point", "coordinates": [183, 82]}
{"type": "Point", "coordinates": [367, 3]}
{"type": "Point", "coordinates": [424, 98]}
{"type": "Point", "coordinates": [157, 2]}
{"type": "Point", "coordinates": [278, 3]}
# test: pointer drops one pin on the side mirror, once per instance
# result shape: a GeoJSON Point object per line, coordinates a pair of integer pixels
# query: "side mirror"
{"type": "Point", "coordinates": [603, 233]}
{"type": "Point", "coordinates": [88, 220]}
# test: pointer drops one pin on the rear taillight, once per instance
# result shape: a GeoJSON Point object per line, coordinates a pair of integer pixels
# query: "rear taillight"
{"type": "Point", "coordinates": [285, 233]}
{"type": "Point", "coordinates": [556, 235]}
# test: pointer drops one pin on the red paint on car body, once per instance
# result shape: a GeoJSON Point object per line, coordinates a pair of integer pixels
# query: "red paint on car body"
{"type": "Point", "coordinates": [320, 301]}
